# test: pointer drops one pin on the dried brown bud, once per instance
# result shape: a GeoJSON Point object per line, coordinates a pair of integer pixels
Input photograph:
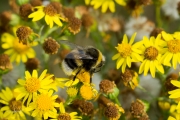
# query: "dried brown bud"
{"type": "Point", "coordinates": [5, 18]}
{"type": "Point", "coordinates": [156, 31]}
{"type": "Point", "coordinates": [87, 20]}
{"type": "Point", "coordinates": [168, 85]}
{"type": "Point", "coordinates": [50, 46]}
{"type": "Point", "coordinates": [137, 109]}
{"type": "Point", "coordinates": [106, 86]}
{"type": "Point", "coordinates": [5, 62]}
{"type": "Point", "coordinates": [127, 76]}
{"type": "Point", "coordinates": [14, 6]}
{"type": "Point", "coordinates": [68, 13]}
{"type": "Point", "coordinates": [25, 10]}
{"type": "Point", "coordinates": [112, 112]}
{"type": "Point", "coordinates": [57, 6]}
{"type": "Point", "coordinates": [85, 107]}
{"type": "Point", "coordinates": [178, 8]}
{"type": "Point", "coordinates": [144, 117]}
{"type": "Point", "coordinates": [23, 33]}
{"type": "Point", "coordinates": [114, 75]}
{"type": "Point", "coordinates": [35, 3]}
{"type": "Point", "coordinates": [74, 25]}
{"type": "Point", "coordinates": [32, 64]}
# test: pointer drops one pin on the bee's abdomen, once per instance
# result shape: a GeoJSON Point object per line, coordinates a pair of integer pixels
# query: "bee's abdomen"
{"type": "Point", "coordinates": [70, 61]}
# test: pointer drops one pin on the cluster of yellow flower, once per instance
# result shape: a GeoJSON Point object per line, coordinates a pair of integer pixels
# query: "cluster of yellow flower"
{"type": "Point", "coordinates": [152, 52]}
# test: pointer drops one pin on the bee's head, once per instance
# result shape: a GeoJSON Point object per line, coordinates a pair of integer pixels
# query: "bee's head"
{"type": "Point", "coordinates": [93, 52]}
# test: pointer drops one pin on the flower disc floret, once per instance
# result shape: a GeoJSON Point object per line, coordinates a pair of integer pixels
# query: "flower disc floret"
{"type": "Point", "coordinates": [32, 85]}
{"type": "Point", "coordinates": [151, 53]}
{"type": "Point", "coordinates": [124, 49]}
{"type": "Point", "coordinates": [173, 46]}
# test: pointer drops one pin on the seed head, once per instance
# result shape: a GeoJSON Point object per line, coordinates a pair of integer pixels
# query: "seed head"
{"type": "Point", "coordinates": [5, 63]}
{"type": "Point", "coordinates": [74, 25]}
{"type": "Point", "coordinates": [168, 85]}
{"type": "Point", "coordinates": [25, 10]}
{"type": "Point", "coordinates": [35, 3]}
{"type": "Point", "coordinates": [32, 64]}
{"type": "Point", "coordinates": [24, 34]}
{"type": "Point", "coordinates": [50, 46]}
{"type": "Point", "coordinates": [156, 31]}
{"type": "Point", "coordinates": [137, 109]}
{"type": "Point", "coordinates": [106, 86]}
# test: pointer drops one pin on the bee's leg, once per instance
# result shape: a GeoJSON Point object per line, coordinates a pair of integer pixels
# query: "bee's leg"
{"type": "Point", "coordinates": [76, 74]}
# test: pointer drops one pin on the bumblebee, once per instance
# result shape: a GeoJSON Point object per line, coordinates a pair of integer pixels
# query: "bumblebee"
{"type": "Point", "coordinates": [83, 62]}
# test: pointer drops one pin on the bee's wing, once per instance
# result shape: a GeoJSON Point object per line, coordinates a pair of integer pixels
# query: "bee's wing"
{"type": "Point", "coordinates": [78, 53]}
{"type": "Point", "coordinates": [70, 44]}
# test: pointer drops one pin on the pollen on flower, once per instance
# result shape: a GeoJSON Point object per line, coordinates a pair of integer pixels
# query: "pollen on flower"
{"type": "Point", "coordinates": [64, 116]}
{"type": "Point", "coordinates": [173, 46]}
{"type": "Point", "coordinates": [50, 10]}
{"type": "Point", "coordinates": [86, 92]}
{"type": "Point", "coordinates": [44, 102]}
{"type": "Point", "coordinates": [124, 49]}
{"type": "Point", "coordinates": [32, 84]}
{"type": "Point", "coordinates": [151, 53]}
{"type": "Point", "coordinates": [15, 105]}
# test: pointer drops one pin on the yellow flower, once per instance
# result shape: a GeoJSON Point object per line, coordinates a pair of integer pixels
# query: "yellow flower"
{"type": "Point", "coordinates": [44, 105]}
{"type": "Point", "coordinates": [88, 92]}
{"type": "Point", "coordinates": [17, 51]}
{"type": "Point", "coordinates": [12, 109]}
{"type": "Point", "coordinates": [72, 91]}
{"type": "Point", "coordinates": [63, 115]}
{"type": "Point", "coordinates": [32, 85]}
{"type": "Point", "coordinates": [128, 52]}
{"type": "Point", "coordinates": [49, 12]}
{"type": "Point", "coordinates": [106, 4]}
{"type": "Point", "coordinates": [71, 82]}
{"type": "Point", "coordinates": [175, 114]}
{"type": "Point", "coordinates": [175, 94]}
{"type": "Point", "coordinates": [171, 48]}
{"type": "Point", "coordinates": [152, 55]}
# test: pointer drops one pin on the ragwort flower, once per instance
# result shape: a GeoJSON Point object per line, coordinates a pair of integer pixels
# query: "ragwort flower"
{"type": "Point", "coordinates": [151, 53]}
{"type": "Point", "coordinates": [13, 109]}
{"type": "Point", "coordinates": [127, 53]}
{"type": "Point", "coordinates": [16, 50]}
{"type": "Point", "coordinates": [44, 105]}
{"type": "Point", "coordinates": [171, 48]}
{"type": "Point", "coordinates": [32, 85]}
{"type": "Point", "coordinates": [175, 94]}
{"type": "Point", "coordinates": [49, 12]}
{"type": "Point", "coordinates": [63, 115]}
{"type": "Point", "coordinates": [106, 4]}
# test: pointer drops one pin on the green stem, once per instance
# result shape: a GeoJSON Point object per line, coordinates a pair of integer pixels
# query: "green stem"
{"type": "Point", "coordinates": [68, 101]}
{"type": "Point", "coordinates": [158, 16]}
{"type": "Point", "coordinates": [117, 101]}
{"type": "Point", "coordinates": [1, 85]}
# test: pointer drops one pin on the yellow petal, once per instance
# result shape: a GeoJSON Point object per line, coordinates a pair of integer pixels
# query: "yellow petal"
{"type": "Point", "coordinates": [112, 6]}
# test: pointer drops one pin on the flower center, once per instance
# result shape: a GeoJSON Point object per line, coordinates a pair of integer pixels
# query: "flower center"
{"type": "Point", "coordinates": [151, 53]}
{"type": "Point", "coordinates": [32, 84]}
{"type": "Point", "coordinates": [19, 47]}
{"type": "Point", "coordinates": [64, 116]}
{"type": "Point", "coordinates": [44, 102]}
{"type": "Point", "coordinates": [50, 10]}
{"type": "Point", "coordinates": [15, 105]}
{"type": "Point", "coordinates": [173, 46]}
{"type": "Point", "coordinates": [124, 49]}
